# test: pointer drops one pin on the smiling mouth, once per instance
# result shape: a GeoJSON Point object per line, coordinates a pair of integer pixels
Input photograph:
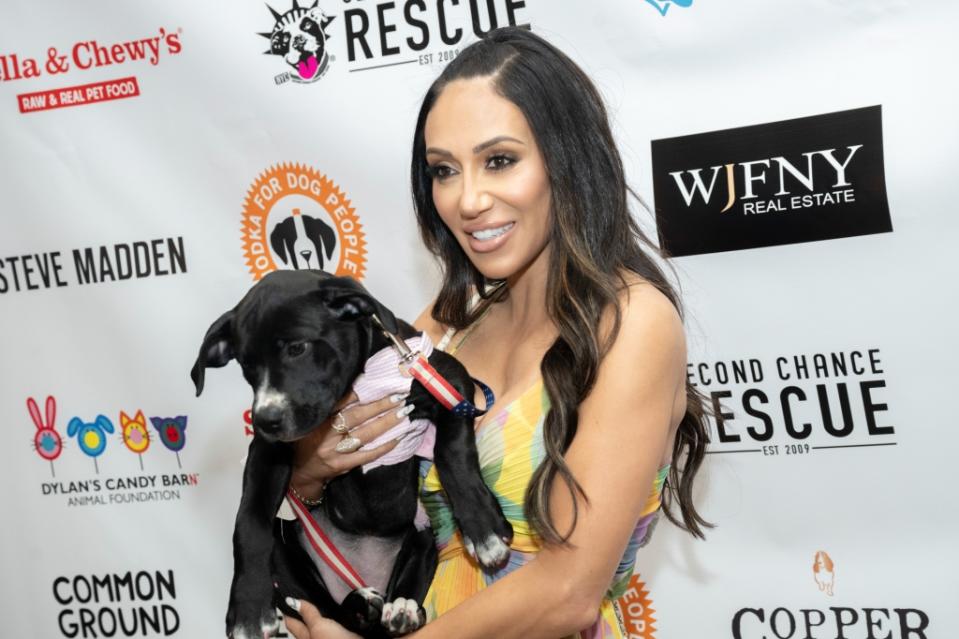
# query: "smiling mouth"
{"type": "Point", "coordinates": [489, 234]}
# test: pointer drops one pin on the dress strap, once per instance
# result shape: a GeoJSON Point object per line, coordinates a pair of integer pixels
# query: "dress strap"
{"type": "Point", "coordinates": [444, 342]}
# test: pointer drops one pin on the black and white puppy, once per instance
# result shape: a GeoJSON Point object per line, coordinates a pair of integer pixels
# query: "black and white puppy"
{"type": "Point", "coordinates": [301, 338]}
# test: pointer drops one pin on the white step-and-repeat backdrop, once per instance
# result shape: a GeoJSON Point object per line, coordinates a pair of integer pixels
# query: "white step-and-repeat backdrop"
{"type": "Point", "coordinates": [800, 159]}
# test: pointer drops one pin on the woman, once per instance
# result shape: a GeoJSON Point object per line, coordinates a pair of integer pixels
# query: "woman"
{"type": "Point", "coordinates": [519, 191]}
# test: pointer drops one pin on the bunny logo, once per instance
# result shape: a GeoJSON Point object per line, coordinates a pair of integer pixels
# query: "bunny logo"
{"type": "Point", "coordinates": [663, 5]}
{"type": "Point", "coordinates": [134, 432]}
{"type": "Point", "coordinates": [823, 571]}
{"type": "Point", "coordinates": [46, 441]}
{"type": "Point", "coordinates": [171, 431]}
{"type": "Point", "coordinates": [91, 437]}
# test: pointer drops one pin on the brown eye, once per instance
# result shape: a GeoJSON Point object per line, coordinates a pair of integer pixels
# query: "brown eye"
{"type": "Point", "coordinates": [439, 171]}
{"type": "Point", "coordinates": [499, 162]}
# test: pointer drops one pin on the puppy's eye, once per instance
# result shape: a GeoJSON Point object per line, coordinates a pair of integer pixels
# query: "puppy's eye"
{"type": "Point", "coordinates": [297, 349]}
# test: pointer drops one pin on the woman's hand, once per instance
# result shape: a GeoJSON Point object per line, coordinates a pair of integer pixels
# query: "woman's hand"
{"type": "Point", "coordinates": [314, 625]}
{"type": "Point", "coordinates": [316, 460]}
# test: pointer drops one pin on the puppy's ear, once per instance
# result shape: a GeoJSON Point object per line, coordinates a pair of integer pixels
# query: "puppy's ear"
{"type": "Point", "coordinates": [216, 349]}
{"type": "Point", "coordinates": [348, 300]}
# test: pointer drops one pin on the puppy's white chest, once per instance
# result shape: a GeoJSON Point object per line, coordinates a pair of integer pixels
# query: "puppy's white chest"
{"type": "Point", "coordinates": [371, 557]}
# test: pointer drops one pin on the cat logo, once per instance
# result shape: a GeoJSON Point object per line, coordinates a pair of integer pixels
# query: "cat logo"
{"type": "Point", "coordinates": [635, 610]}
{"type": "Point", "coordinates": [294, 217]}
{"type": "Point", "coordinates": [824, 571]}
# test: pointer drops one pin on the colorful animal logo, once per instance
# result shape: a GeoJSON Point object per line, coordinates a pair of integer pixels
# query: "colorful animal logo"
{"type": "Point", "coordinates": [823, 571]}
{"type": "Point", "coordinates": [663, 5]}
{"type": "Point", "coordinates": [91, 437]}
{"type": "Point", "coordinates": [46, 441]}
{"type": "Point", "coordinates": [172, 433]}
{"type": "Point", "coordinates": [299, 37]}
{"type": "Point", "coordinates": [134, 432]}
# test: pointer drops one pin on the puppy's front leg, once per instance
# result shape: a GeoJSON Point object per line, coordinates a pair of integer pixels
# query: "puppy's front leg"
{"type": "Point", "coordinates": [251, 614]}
{"type": "Point", "coordinates": [486, 532]}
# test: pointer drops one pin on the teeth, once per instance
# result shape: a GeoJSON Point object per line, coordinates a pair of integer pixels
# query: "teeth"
{"type": "Point", "coordinates": [488, 234]}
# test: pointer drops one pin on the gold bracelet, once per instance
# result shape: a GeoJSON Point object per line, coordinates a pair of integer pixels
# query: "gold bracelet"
{"type": "Point", "coordinates": [310, 503]}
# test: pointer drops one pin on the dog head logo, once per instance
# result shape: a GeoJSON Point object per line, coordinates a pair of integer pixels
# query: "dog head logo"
{"type": "Point", "coordinates": [134, 433]}
{"type": "Point", "coordinates": [301, 241]}
{"type": "Point", "coordinates": [663, 5]}
{"type": "Point", "coordinates": [294, 217]}
{"type": "Point", "coordinates": [91, 437]}
{"type": "Point", "coordinates": [172, 431]}
{"type": "Point", "coordinates": [46, 440]}
{"type": "Point", "coordinates": [299, 37]}
{"type": "Point", "coordinates": [823, 571]}
{"type": "Point", "coordinates": [636, 609]}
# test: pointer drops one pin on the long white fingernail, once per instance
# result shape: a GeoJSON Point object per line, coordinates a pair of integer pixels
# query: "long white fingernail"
{"type": "Point", "coordinates": [396, 398]}
{"type": "Point", "coordinates": [406, 410]}
{"type": "Point", "coordinates": [293, 603]}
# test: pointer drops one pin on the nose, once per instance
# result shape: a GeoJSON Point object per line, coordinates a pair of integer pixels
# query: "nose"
{"type": "Point", "coordinates": [474, 198]}
{"type": "Point", "coordinates": [267, 418]}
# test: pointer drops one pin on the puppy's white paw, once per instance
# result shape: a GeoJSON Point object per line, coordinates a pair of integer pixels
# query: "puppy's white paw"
{"type": "Point", "coordinates": [269, 628]}
{"type": "Point", "coordinates": [402, 616]}
{"type": "Point", "coordinates": [371, 595]}
{"type": "Point", "coordinates": [364, 607]}
{"type": "Point", "coordinates": [491, 553]}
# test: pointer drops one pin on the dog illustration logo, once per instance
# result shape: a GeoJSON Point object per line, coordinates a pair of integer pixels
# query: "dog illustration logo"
{"type": "Point", "coordinates": [46, 441]}
{"type": "Point", "coordinates": [294, 217]}
{"type": "Point", "coordinates": [134, 432]}
{"type": "Point", "coordinates": [299, 37]}
{"type": "Point", "coordinates": [663, 5]}
{"type": "Point", "coordinates": [634, 609]}
{"type": "Point", "coordinates": [172, 431]}
{"type": "Point", "coordinates": [91, 437]}
{"type": "Point", "coordinates": [301, 241]}
{"type": "Point", "coordinates": [823, 571]}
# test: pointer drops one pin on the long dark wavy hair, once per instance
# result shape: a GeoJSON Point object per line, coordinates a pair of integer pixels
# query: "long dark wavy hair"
{"type": "Point", "coordinates": [594, 240]}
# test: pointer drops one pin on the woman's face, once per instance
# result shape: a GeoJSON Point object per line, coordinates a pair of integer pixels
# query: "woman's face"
{"type": "Point", "coordinates": [490, 185]}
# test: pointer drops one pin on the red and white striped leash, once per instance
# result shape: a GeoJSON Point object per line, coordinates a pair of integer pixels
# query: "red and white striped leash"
{"type": "Point", "coordinates": [323, 545]}
{"type": "Point", "coordinates": [416, 364]}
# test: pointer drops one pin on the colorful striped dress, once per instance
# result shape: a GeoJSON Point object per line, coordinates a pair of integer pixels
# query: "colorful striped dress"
{"type": "Point", "coordinates": [510, 446]}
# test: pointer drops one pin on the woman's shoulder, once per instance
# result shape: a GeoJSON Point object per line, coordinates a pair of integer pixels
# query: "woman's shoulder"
{"type": "Point", "coordinates": [651, 327]}
{"type": "Point", "coordinates": [644, 307]}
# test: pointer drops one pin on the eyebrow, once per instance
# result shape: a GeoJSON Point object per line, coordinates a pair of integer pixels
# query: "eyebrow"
{"type": "Point", "coordinates": [479, 148]}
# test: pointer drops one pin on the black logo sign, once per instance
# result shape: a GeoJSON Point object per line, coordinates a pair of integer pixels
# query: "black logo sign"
{"type": "Point", "coordinates": [802, 180]}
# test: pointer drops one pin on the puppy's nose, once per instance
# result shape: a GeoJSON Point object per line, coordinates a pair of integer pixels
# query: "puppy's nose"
{"type": "Point", "coordinates": [267, 418]}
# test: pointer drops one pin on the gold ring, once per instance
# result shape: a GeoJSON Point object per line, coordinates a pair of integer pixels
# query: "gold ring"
{"type": "Point", "coordinates": [339, 424]}
{"type": "Point", "coordinates": [349, 444]}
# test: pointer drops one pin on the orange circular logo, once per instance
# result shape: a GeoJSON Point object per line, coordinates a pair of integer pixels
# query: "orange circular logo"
{"type": "Point", "coordinates": [294, 217]}
{"type": "Point", "coordinates": [636, 609]}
